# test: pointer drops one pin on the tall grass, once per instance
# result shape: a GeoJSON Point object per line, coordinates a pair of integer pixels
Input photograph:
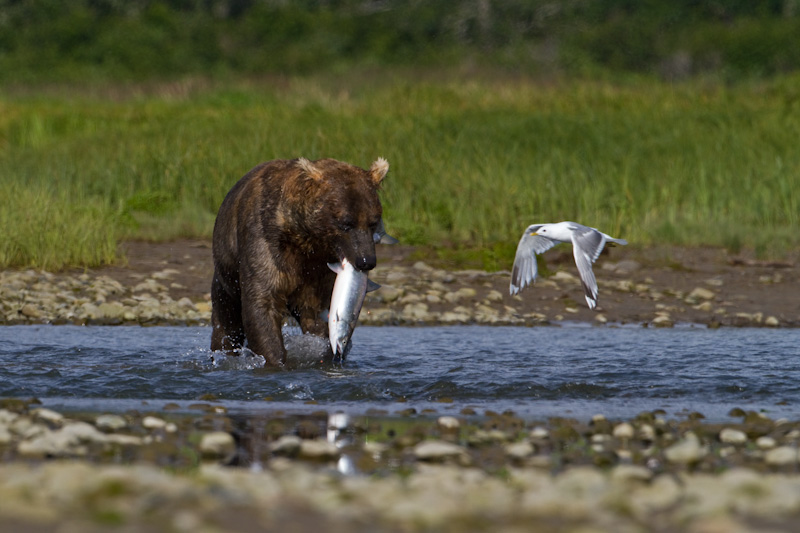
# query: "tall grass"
{"type": "Point", "coordinates": [472, 162]}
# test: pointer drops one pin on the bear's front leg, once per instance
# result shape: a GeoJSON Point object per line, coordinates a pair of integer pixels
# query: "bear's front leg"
{"type": "Point", "coordinates": [262, 326]}
{"type": "Point", "coordinates": [310, 306]}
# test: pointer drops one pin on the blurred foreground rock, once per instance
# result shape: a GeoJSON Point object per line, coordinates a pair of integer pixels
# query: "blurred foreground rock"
{"type": "Point", "coordinates": [196, 468]}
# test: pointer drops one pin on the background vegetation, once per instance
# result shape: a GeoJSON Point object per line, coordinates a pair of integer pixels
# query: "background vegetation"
{"type": "Point", "coordinates": [670, 122]}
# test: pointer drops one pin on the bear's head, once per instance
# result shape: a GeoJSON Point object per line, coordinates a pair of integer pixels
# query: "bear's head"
{"type": "Point", "coordinates": [340, 209]}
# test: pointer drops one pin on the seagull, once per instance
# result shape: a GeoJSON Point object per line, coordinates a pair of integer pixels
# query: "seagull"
{"type": "Point", "coordinates": [587, 243]}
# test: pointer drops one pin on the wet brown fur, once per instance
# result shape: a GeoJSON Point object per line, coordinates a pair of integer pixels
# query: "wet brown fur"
{"type": "Point", "coordinates": [275, 232]}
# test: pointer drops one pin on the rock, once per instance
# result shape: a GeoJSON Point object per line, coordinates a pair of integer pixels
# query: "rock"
{"type": "Point", "coordinates": [781, 456]}
{"type": "Point", "coordinates": [494, 296]}
{"type": "Point", "coordinates": [218, 445]}
{"type": "Point", "coordinates": [732, 436]}
{"type": "Point", "coordinates": [52, 418]}
{"type": "Point", "coordinates": [152, 422]}
{"type": "Point", "coordinates": [187, 304]}
{"type": "Point", "coordinates": [460, 294]}
{"type": "Point", "coordinates": [286, 445]}
{"type": "Point", "coordinates": [519, 450]}
{"type": "Point", "coordinates": [318, 449]}
{"type": "Point", "coordinates": [110, 311]}
{"type": "Point", "coordinates": [700, 293]}
{"type": "Point", "coordinates": [30, 311]}
{"type": "Point", "coordinates": [448, 422]}
{"type": "Point", "coordinates": [539, 433]}
{"type": "Point", "coordinates": [623, 431]}
{"type": "Point", "coordinates": [435, 450]}
{"type": "Point", "coordinates": [625, 267]}
{"type": "Point", "coordinates": [564, 276]}
{"type": "Point", "coordinates": [450, 317]}
{"type": "Point", "coordinates": [686, 451]}
{"type": "Point", "coordinates": [5, 435]}
{"type": "Point", "coordinates": [415, 312]}
{"type": "Point", "coordinates": [772, 322]}
{"type": "Point", "coordinates": [766, 443]}
{"type": "Point", "coordinates": [663, 321]}
{"type": "Point", "coordinates": [388, 294]}
{"type": "Point", "coordinates": [628, 473]}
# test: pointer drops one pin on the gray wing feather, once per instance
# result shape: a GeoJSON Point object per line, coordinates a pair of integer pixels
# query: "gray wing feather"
{"type": "Point", "coordinates": [586, 246]}
{"type": "Point", "coordinates": [590, 241]}
{"type": "Point", "coordinates": [525, 271]}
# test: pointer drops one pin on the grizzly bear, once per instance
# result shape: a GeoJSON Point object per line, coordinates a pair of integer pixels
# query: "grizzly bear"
{"type": "Point", "coordinates": [276, 231]}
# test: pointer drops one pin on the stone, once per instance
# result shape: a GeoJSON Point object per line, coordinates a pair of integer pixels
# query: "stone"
{"type": "Point", "coordinates": [772, 322]}
{"type": "Point", "coordinates": [629, 473]}
{"type": "Point", "coordinates": [494, 296]}
{"type": "Point", "coordinates": [30, 311]}
{"type": "Point", "coordinates": [415, 311]}
{"type": "Point", "coordinates": [389, 294]}
{"type": "Point", "coordinates": [688, 450]}
{"type": "Point", "coordinates": [781, 456]}
{"type": "Point", "coordinates": [218, 445]}
{"type": "Point", "coordinates": [564, 276]}
{"type": "Point", "coordinates": [623, 431]}
{"type": "Point", "coordinates": [318, 449]}
{"type": "Point", "coordinates": [286, 445]}
{"type": "Point", "coordinates": [663, 321]}
{"type": "Point", "coordinates": [435, 450]}
{"type": "Point", "coordinates": [701, 293]}
{"type": "Point", "coordinates": [766, 443]}
{"type": "Point", "coordinates": [732, 436]}
{"type": "Point", "coordinates": [519, 450]}
{"type": "Point", "coordinates": [52, 418]}
{"type": "Point", "coordinates": [152, 422]}
{"type": "Point", "coordinates": [448, 422]}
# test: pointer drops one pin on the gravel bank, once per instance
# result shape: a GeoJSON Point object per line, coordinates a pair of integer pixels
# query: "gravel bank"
{"type": "Point", "coordinates": [207, 471]}
{"type": "Point", "coordinates": [414, 293]}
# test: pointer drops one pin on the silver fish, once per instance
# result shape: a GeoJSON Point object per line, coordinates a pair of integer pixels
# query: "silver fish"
{"type": "Point", "coordinates": [348, 295]}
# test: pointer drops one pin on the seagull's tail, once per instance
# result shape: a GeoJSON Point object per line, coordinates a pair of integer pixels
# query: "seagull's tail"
{"type": "Point", "coordinates": [622, 242]}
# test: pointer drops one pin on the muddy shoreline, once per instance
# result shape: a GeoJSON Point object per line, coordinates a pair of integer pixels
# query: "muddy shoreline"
{"type": "Point", "coordinates": [169, 283]}
{"type": "Point", "coordinates": [199, 468]}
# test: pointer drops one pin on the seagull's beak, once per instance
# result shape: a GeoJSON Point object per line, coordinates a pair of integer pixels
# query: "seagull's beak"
{"type": "Point", "coordinates": [533, 233]}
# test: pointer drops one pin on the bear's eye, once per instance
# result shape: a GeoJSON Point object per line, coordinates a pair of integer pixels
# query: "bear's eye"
{"type": "Point", "coordinates": [346, 225]}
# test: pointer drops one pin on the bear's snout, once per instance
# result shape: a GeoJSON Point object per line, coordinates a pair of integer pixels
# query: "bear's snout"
{"type": "Point", "coordinates": [366, 262]}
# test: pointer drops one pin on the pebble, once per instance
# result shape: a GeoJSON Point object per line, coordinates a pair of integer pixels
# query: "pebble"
{"type": "Point", "coordinates": [686, 451]}
{"type": "Point", "coordinates": [623, 431]}
{"type": "Point", "coordinates": [434, 450]}
{"type": "Point", "coordinates": [448, 422]}
{"type": "Point", "coordinates": [781, 456]}
{"type": "Point", "coordinates": [318, 449]}
{"type": "Point", "coordinates": [732, 436]}
{"type": "Point", "coordinates": [218, 445]}
{"type": "Point", "coordinates": [152, 422]}
{"type": "Point", "coordinates": [409, 295]}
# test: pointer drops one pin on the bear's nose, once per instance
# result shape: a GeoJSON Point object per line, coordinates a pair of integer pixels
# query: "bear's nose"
{"type": "Point", "coordinates": [365, 263]}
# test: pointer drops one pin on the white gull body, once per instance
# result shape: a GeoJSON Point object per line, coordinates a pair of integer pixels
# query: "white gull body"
{"type": "Point", "coordinates": [587, 243]}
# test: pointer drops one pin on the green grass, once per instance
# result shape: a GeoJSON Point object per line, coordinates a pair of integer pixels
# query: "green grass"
{"type": "Point", "coordinates": [472, 162]}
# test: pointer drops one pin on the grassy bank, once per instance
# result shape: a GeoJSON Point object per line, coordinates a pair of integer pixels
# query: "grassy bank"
{"type": "Point", "coordinates": [472, 163]}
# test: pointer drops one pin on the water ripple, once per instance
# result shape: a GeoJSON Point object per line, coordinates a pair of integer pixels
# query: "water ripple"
{"type": "Point", "coordinates": [534, 370]}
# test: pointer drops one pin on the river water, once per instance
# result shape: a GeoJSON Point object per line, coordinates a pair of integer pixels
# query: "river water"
{"type": "Point", "coordinates": [575, 371]}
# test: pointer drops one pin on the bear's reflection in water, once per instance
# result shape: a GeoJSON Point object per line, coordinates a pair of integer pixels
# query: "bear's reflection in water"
{"type": "Point", "coordinates": [302, 351]}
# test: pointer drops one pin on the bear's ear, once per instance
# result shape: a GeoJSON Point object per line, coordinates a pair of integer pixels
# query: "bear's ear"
{"type": "Point", "coordinates": [378, 170]}
{"type": "Point", "coordinates": [310, 170]}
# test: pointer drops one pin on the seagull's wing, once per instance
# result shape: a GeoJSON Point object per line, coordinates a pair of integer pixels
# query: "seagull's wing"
{"type": "Point", "coordinates": [587, 244]}
{"type": "Point", "coordinates": [525, 270]}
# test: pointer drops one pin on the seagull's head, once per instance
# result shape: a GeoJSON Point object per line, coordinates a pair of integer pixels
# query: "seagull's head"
{"type": "Point", "coordinates": [535, 229]}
